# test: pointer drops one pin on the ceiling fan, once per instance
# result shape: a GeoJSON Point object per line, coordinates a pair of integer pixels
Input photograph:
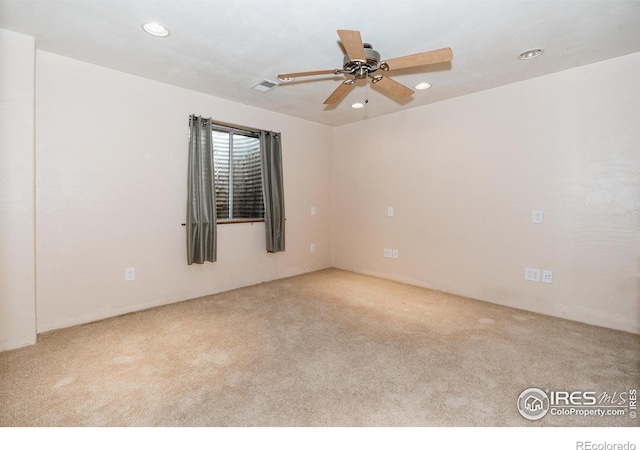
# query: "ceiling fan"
{"type": "Point", "coordinates": [362, 61]}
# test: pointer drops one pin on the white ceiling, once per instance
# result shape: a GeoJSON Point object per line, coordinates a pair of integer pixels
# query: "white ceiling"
{"type": "Point", "coordinates": [224, 47]}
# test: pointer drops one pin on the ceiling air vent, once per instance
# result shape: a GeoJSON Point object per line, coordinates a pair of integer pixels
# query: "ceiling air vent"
{"type": "Point", "coordinates": [265, 85]}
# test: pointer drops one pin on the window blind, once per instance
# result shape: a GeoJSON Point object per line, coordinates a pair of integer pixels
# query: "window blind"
{"type": "Point", "coordinates": [238, 174]}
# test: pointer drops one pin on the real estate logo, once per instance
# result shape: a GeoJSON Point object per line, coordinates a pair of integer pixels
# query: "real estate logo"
{"type": "Point", "coordinates": [533, 404]}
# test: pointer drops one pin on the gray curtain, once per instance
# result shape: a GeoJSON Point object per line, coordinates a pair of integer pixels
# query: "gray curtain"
{"type": "Point", "coordinates": [273, 190]}
{"type": "Point", "coordinates": [201, 203]}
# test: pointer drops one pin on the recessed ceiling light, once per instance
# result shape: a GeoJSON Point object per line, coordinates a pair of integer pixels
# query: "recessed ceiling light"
{"type": "Point", "coordinates": [422, 86]}
{"type": "Point", "coordinates": [155, 29]}
{"type": "Point", "coordinates": [531, 53]}
{"type": "Point", "coordinates": [286, 79]}
{"type": "Point", "coordinates": [358, 105]}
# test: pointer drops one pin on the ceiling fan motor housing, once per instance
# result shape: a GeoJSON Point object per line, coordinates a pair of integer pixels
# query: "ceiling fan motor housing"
{"type": "Point", "coordinates": [360, 69]}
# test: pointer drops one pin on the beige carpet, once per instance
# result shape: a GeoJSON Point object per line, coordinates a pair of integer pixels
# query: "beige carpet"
{"type": "Point", "coordinates": [330, 348]}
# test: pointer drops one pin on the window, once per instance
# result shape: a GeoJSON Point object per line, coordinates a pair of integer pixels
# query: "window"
{"type": "Point", "coordinates": [238, 175]}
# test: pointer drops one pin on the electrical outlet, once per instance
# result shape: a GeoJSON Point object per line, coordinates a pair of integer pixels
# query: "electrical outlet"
{"type": "Point", "coordinates": [547, 276]}
{"type": "Point", "coordinates": [388, 253]}
{"type": "Point", "coordinates": [531, 274]}
{"type": "Point", "coordinates": [129, 274]}
{"type": "Point", "coordinates": [312, 247]}
{"type": "Point", "coordinates": [395, 254]}
{"type": "Point", "coordinates": [538, 216]}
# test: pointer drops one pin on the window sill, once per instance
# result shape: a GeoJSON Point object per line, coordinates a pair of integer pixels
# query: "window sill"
{"type": "Point", "coordinates": [227, 221]}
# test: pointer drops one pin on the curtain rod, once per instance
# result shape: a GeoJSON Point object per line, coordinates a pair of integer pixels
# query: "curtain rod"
{"type": "Point", "coordinates": [237, 127]}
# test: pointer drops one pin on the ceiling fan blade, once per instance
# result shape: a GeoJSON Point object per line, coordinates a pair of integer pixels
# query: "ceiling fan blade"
{"type": "Point", "coordinates": [340, 92]}
{"type": "Point", "coordinates": [352, 44]}
{"type": "Point", "coordinates": [420, 59]}
{"type": "Point", "coordinates": [306, 74]}
{"type": "Point", "coordinates": [391, 86]}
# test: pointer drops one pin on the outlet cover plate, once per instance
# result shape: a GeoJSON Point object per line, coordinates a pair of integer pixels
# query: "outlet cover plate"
{"type": "Point", "coordinates": [547, 276]}
{"type": "Point", "coordinates": [388, 253]}
{"type": "Point", "coordinates": [129, 274]}
{"type": "Point", "coordinates": [538, 216]}
{"type": "Point", "coordinates": [531, 274]}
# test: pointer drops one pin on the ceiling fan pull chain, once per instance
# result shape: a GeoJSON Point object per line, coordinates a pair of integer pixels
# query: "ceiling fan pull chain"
{"type": "Point", "coordinates": [366, 93]}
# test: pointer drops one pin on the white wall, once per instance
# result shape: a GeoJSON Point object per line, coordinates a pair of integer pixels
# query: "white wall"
{"type": "Point", "coordinates": [464, 176]}
{"type": "Point", "coordinates": [111, 193]}
{"type": "Point", "coordinates": [17, 257]}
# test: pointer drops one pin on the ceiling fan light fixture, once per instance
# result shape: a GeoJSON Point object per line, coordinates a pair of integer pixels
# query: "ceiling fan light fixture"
{"type": "Point", "coordinates": [156, 29]}
{"type": "Point", "coordinates": [422, 86]}
{"type": "Point", "coordinates": [357, 105]}
{"type": "Point", "coordinates": [531, 53]}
